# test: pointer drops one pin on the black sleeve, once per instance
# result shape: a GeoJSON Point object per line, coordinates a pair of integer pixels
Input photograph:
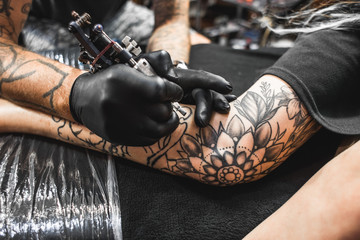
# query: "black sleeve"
{"type": "Point", "coordinates": [323, 68]}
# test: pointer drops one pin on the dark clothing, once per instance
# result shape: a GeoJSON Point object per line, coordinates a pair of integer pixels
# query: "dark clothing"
{"type": "Point", "coordinates": [324, 70]}
{"type": "Point", "coordinates": [60, 10]}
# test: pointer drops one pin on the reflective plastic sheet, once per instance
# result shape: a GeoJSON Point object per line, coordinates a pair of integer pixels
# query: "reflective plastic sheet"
{"type": "Point", "coordinates": [52, 190]}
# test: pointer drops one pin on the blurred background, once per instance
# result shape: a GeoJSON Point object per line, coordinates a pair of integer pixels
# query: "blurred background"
{"type": "Point", "coordinates": [239, 23]}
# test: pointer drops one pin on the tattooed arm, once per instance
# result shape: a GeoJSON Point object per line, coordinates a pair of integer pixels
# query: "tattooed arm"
{"type": "Point", "coordinates": [27, 78]}
{"type": "Point", "coordinates": [265, 125]}
{"type": "Point", "coordinates": [171, 28]}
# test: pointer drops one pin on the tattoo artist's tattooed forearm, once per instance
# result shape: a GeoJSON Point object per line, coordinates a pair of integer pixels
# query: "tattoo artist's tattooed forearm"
{"type": "Point", "coordinates": [25, 77]}
{"type": "Point", "coordinates": [7, 27]}
{"type": "Point", "coordinates": [243, 147]}
{"type": "Point", "coordinates": [9, 11]}
{"type": "Point", "coordinates": [178, 47]}
{"type": "Point", "coordinates": [168, 9]}
{"type": "Point", "coordinates": [14, 71]}
{"type": "Point", "coordinates": [171, 28]}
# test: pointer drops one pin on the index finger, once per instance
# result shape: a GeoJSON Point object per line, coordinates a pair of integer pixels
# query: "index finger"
{"type": "Point", "coordinates": [164, 90]}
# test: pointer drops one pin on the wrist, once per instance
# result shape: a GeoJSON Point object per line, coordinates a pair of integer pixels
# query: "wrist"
{"type": "Point", "coordinates": [70, 84]}
{"type": "Point", "coordinates": [73, 95]}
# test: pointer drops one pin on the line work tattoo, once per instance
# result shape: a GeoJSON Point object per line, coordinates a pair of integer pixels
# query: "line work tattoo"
{"type": "Point", "coordinates": [248, 146]}
{"type": "Point", "coordinates": [171, 31]}
{"type": "Point", "coordinates": [7, 27]}
{"type": "Point", "coordinates": [14, 70]}
{"type": "Point", "coordinates": [5, 7]}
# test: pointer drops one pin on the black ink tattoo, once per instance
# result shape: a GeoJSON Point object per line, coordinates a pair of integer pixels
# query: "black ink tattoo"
{"type": "Point", "coordinates": [51, 92]}
{"type": "Point", "coordinates": [5, 7]}
{"type": "Point", "coordinates": [80, 134]}
{"type": "Point", "coordinates": [8, 27]}
{"type": "Point", "coordinates": [18, 71]}
{"type": "Point", "coordinates": [238, 154]}
{"type": "Point", "coordinates": [165, 10]}
{"type": "Point", "coordinates": [171, 29]}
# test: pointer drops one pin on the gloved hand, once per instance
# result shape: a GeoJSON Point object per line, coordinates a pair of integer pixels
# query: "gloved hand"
{"type": "Point", "coordinates": [124, 106]}
{"type": "Point", "coordinates": [206, 90]}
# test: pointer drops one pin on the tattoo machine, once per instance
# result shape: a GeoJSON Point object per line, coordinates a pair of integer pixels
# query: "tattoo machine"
{"type": "Point", "coordinates": [99, 51]}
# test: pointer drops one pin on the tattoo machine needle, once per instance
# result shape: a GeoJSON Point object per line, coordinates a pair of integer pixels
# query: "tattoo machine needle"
{"type": "Point", "coordinates": [100, 51]}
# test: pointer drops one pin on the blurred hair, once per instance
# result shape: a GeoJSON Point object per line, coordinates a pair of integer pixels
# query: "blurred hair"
{"type": "Point", "coordinates": [320, 14]}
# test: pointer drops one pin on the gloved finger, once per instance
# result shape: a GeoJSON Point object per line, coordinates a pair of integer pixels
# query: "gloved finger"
{"type": "Point", "coordinates": [155, 129]}
{"type": "Point", "coordinates": [221, 104]}
{"type": "Point", "coordinates": [204, 102]}
{"type": "Point", "coordinates": [160, 89]}
{"type": "Point", "coordinates": [160, 112]}
{"type": "Point", "coordinates": [161, 63]}
{"type": "Point", "coordinates": [230, 97]}
{"type": "Point", "coordinates": [191, 79]}
{"type": "Point", "coordinates": [170, 92]}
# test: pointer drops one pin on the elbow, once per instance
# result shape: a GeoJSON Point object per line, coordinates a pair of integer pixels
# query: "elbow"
{"type": "Point", "coordinates": [221, 159]}
{"type": "Point", "coordinates": [224, 172]}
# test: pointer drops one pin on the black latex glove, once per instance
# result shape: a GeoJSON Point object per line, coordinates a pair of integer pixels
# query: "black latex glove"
{"type": "Point", "coordinates": [206, 90]}
{"type": "Point", "coordinates": [124, 106]}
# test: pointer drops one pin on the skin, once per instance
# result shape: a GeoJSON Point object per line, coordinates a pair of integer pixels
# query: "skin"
{"type": "Point", "coordinates": [326, 207]}
{"type": "Point", "coordinates": [264, 127]}
{"type": "Point", "coordinates": [20, 70]}
{"type": "Point", "coordinates": [171, 29]}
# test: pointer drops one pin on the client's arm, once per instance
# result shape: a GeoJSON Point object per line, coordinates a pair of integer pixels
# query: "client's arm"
{"type": "Point", "coordinates": [265, 125]}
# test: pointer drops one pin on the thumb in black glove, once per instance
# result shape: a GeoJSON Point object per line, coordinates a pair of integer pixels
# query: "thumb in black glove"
{"type": "Point", "coordinates": [206, 90]}
{"type": "Point", "coordinates": [125, 106]}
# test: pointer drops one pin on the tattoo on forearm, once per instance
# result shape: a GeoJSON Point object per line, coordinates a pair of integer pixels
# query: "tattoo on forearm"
{"type": "Point", "coordinates": [61, 75]}
{"type": "Point", "coordinates": [13, 70]}
{"type": "Point", "coordinates": [86, 138]}
{"type": "Point", "coordinates": [163, 38]}
{"type": "Point", "coordinates": [171, 29]}
{"type": "Point", "coordinates": [10, 28]}
{"type": "Point", "coordinates": [5, 7]}
{"type": "Point", "coordinates": [246, 148]}
{"type": "Point", "coordinates": [165, 10]}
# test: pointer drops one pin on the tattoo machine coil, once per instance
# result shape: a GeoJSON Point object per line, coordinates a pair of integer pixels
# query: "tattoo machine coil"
{"type": "Point", "coordinates": [99, 51]}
